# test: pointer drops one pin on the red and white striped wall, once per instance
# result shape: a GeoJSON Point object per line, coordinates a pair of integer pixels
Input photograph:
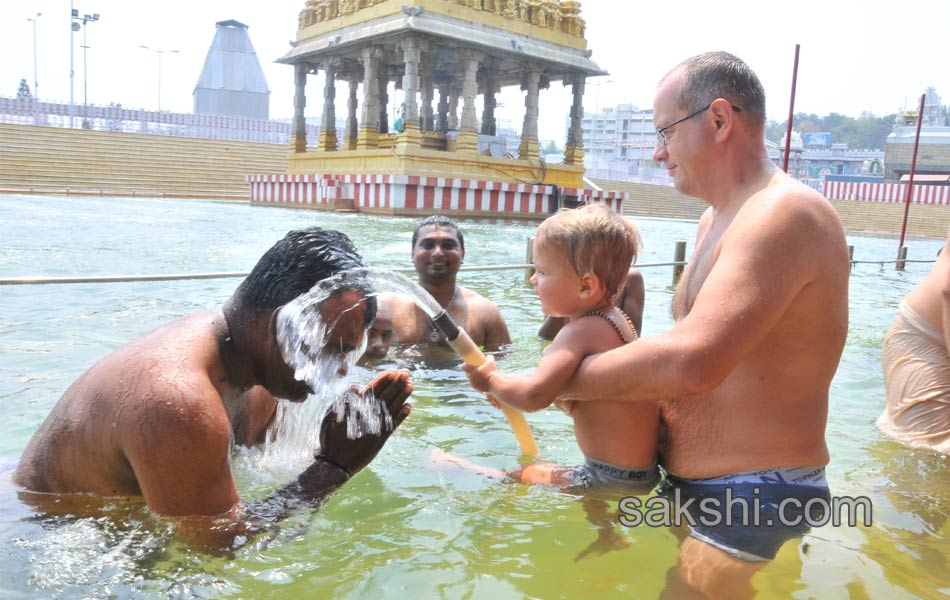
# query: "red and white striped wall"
{"type": "Point", "coordinates": [886, 192]}
{"type": "Point", "coordinates": [613, 200]}
{"type": "Point", "coordinates": [415, 194]}
{"type": "Point", "coordinates": [306, 190]}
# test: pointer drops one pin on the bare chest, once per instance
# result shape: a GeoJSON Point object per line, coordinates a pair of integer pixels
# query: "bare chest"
{"type": "Point", "coordinates": [694, 276]}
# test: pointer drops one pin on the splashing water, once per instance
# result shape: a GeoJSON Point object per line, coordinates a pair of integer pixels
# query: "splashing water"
{"type": "Point", "coordinates": [302, 335]}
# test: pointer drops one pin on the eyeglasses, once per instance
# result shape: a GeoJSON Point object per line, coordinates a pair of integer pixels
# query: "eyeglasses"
{"type": "Point", "coordinates": [661, 132]}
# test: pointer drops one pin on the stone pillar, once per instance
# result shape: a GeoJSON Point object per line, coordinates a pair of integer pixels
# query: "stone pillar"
{"type": "Point", "coordinates": [428, 68]}
{"type": "Point", "coordinates": [574, 147]}
{"type": "Point", "coordinates": [383, 96]}
{"type": "Point", "coordinates": [443, 122]}
{"type": "Point", "coordinates": [412, 57]}
{"type": "Point", "coordinates": [529, 130]}
{"type": "Point", "coordinates": [368, 136]}
{"type": "Point", "coordinates": [327, 141]}
{"type": "Point", "coordinates": [352, 128]}
{"type": "Point", "coordinates": [488, 95]}
{"type": "Point", "coordinates": [298, 139]}
{"type": "Point", "coordinates": [453, 117]}
{"type": "Point", "coordinates": [468, 133]}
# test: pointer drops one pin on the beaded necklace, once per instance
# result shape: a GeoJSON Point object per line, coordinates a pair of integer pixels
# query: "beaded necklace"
{"type": "Point", "coordinates": [600, 313]}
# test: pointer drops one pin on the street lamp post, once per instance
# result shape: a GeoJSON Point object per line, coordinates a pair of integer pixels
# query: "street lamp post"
{"type": "Point", "coordinates": [36, 85]}
{"type": "Point", "coordinates": [86, 19]}
{"type": "Point", "coordinates": [73, 26]}
{"type": "Point", "coordinates": [159, 53]}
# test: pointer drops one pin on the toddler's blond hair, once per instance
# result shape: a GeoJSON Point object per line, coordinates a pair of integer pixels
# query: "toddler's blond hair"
{"type": "Point", "coordinates": [595, 240]}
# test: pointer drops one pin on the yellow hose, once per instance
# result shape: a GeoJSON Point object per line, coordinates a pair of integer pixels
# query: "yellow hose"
{"type": "Point", "coordinates": [473, 356]}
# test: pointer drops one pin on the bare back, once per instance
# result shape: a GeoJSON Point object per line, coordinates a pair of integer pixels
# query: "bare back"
{"type": "Point", "coordinates": [121, 428]}
{"type": "Point", "coordinates": [776, 273]}
{"type": "Point", "coordinates": [927, 299]}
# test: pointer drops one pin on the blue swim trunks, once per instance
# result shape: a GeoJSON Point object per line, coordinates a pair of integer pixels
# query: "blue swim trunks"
{"type": "Point", "coordinates": [750, 515]}
{"type": "Point", "coordinates": [599, 474]}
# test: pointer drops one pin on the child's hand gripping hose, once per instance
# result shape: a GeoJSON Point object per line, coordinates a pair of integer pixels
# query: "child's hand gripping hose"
{"type": "Point", "coordinates": [460, 341]}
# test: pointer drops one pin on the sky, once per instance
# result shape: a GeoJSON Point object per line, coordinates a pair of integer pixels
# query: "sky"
{"type": "Point", "coordinates": [855, 56]}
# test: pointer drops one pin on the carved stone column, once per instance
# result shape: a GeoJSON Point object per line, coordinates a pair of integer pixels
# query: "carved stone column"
{"type": "Point", "coordinates": [368, 136]}
{"type": "Point", "coordinates": [468, 133]}
{"type": "Point", "coordinates": [574, 148]}
{"type": "Point", "coordinates": [488, 96]}
{"type": "Point", "coordinates": [453, 116]}
{"type": "Point", "coordinates": [412, 57]}
{"type": "Point", "coordinates": [442, 124]}
{"type": "Point", "coordinates": [529, 129]}
{"type": "Point", "coordinates": [298, 139]}
{"type": "Point", "coordinates": [383, 96]}
{"type": "Point", "coordinates": [426, 77]}
{"type": "Point", "coordinates": [352, 128]}
{"type": "Point", "coordinates": [327, 141]}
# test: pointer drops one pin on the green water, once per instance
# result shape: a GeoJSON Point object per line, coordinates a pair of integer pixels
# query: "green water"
{"type": "Point", "coordinates": [400, 528]}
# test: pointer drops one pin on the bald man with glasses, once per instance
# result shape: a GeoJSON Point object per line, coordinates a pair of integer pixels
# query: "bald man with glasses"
{"type": "Point", "coordinates": [742, 378]}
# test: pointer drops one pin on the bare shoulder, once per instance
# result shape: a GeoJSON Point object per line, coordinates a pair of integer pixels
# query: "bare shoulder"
{"type": "Point", "coordinates": [166, 380]}
{"type": "Point", "coordinates": [789, 198]}
{"type": "Point", "coordinates": [588, 335]}
{"type": "Point", "coordinates": [791, 237]}
{"type": "Point", "coordinates": [478, 303]}
{"type": "Point", "coordinates": [791, 211]}
{"type": "Point", "coordinates": [184, 396]}
{"type": "Point", "coordinates": [484, 320]}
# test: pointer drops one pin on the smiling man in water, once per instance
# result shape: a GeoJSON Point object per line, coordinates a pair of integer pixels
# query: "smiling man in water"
{"type": "Point", "coordinates": [157, 418]}
{"type": "Point", "coordinates": [438, 250]}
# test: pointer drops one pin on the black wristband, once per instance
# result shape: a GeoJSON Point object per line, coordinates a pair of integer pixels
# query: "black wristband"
{"type": "Point", "coordinates": [323, 458]}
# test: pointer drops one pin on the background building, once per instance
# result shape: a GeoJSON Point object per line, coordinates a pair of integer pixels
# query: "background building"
{"type": "Point", "coordinates": [621, 133]}
{"type": "Point", "coordinates": [933, 154]}
{"type": "Point", "coordinates": [232, 81]}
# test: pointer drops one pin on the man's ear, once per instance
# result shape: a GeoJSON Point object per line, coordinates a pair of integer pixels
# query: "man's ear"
{"type": "Point", "coordinates": [723, 117]}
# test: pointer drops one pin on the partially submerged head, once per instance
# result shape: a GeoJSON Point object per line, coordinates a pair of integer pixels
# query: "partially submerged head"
{"type": "Point", "coordinates": [380, 335]}
{"type": "Point", "coordinates": [287, 271]}
{"type": "Point", "coordinates": [438, 248]}
{"type": "Point", "coordinates": [591, 239]}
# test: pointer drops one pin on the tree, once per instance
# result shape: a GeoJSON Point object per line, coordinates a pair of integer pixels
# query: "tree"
{"type": "Point", "coordinates": [865, 132]}
{"type": "Point", "coordinates": [24, 92]}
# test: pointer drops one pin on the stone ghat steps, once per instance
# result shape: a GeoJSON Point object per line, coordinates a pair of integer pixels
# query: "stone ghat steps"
{"type": "Point", "coordinates": [923, 220]}
{"type": "Point", "coordinates": [659, 201]}
{"type": "Point", "coordinates": [76, 161]}
{"type": "Point", "coordinates": [647, 200]}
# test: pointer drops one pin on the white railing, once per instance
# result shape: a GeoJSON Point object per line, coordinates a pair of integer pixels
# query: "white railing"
{"type": "Point", "coordinates": [117, 118]}
{"type": "Point", "coordinates": [626, 170]}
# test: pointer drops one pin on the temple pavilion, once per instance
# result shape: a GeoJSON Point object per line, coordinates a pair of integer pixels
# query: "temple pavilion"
{"type": "Point", "coordinates": [442, 156]}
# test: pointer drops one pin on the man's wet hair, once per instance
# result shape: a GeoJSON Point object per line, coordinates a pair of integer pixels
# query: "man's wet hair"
{"type": "Point", "coordinates": [721, 75]}
{"type": "Point", "coordinates": [438, 221]}
{"type": "Point", "coordinates": [294, 265]}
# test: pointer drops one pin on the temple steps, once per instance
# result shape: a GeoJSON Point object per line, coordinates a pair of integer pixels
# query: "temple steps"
{"type": "Point", "coordinates": [75, 161]}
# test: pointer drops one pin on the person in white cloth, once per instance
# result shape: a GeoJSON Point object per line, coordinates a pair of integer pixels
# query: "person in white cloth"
{"type": "Point", "coordinates": [917, 365]}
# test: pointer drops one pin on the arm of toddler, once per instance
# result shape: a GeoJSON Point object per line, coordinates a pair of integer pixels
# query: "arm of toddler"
{"type": "Point", "coordinates": [536, 389]}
